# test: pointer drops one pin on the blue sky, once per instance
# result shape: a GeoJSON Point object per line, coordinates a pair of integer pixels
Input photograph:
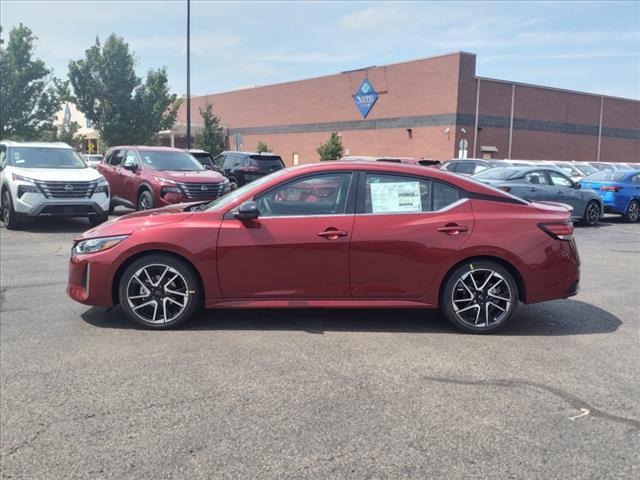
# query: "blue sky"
{"type": "Point", "coordinates": [588, 46]}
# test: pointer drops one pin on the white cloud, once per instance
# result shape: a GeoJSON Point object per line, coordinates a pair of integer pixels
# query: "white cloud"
{"type": "Point", "coordinates": [374, 18]}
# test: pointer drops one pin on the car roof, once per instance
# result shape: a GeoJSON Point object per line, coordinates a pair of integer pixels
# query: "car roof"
{"type": "Point", "coordinates": [400, 168]}
{"type": "Point", "coordinates": [267, 154]}
{"type": "Point", "coordinates": [11, 143]}
{"type": "Point", "coordinates": [148, 148]}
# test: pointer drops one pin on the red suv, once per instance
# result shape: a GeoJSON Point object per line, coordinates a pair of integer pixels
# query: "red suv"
{"type": "Point", "coordinates": [149, 177]}
{"type": "Point", "coordinates": [334, 234]}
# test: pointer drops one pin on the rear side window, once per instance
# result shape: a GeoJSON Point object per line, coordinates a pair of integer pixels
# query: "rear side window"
{"type": "Point", "coordinates": [536, 178]}
{"type": "Point", "coordinates": [266, 161]}
{"type": "Point", "coordinates": [386, 194]}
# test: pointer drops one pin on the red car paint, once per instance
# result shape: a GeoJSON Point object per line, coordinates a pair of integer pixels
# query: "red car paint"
{"type": "Point", "coordinates": [383, 260]}
{"type": "Point", "coordinates": [126, 185]}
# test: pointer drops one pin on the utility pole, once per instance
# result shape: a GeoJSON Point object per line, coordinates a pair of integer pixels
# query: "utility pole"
{"type": "Point", "coordinates": [189, 74]}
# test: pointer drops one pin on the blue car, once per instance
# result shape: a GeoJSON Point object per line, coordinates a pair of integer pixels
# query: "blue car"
{"type": "Point", "coordinates": [619, 190]}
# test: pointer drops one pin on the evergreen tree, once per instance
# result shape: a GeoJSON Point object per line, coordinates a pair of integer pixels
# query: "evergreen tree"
{"type": "Point", "coordinates": [211, 138]}
{"type": "Point", "coordinates": [332, 149]}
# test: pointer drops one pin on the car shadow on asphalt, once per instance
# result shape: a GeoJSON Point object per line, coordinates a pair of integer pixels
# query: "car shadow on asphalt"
{"type": "Point", "coordinates": [560, 317]}
{"type": "Point", "coordinates": [606, 221]}
{"type": "Point", "coordinates": [55, 225]}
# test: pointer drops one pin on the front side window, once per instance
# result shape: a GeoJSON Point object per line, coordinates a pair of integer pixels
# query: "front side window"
{"type": "Point", "coordinates": [3, 156]}
{"type": "Point", "coordinates": [386, 194]}
{"type": "Point", "coordinates": [44, 157]}
{"type": "Point", "coordinates": [130, 159]}
{"type": "Point", "coordinates": [466, 167]}
{"type": "Point", "coordinates": [559, 180]}
{"type": "Point", "coordinates": [324, 194]}
{"type": "Point", "coordinates": [116, 158]}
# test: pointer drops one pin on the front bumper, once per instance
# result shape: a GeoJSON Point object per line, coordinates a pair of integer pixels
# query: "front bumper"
{"type": "Point", "coordinates": [36, 205]}
{"type": "Point", "coordinates": [89, 279]}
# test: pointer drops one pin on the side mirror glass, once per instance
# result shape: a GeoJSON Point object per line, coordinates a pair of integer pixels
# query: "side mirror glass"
{"type": "Point", "coordinates": [248, 211]}
{"type": "Point", "coordinates": [577, 185]}
{"type": "Point", "coordinates": [130, 167]}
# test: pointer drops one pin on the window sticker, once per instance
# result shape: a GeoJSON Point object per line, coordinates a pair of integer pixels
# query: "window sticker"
{"type": "Point", "coordinates": [395, 197]}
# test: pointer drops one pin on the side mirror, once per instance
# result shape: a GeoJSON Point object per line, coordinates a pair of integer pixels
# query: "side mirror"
{"type": "Point", "coordinates": [577, 186]}
{"type": "Point", "coordinates": [248, 211]}
{"type": "Point", "coordinates": [130, 167]}
{"type": "Point", "coordinates": [208, 167]}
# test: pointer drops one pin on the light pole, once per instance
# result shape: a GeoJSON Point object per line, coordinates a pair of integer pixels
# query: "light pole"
{"type": "Point", "coordinates": [188, 74]}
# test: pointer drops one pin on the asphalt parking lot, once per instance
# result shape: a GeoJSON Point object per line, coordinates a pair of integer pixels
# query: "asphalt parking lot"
{"type": "Point", "coordinates": [318, 393]}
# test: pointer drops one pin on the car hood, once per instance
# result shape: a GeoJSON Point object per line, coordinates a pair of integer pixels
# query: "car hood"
{"type": "Point", "coordinates": [127, 224]}
{"type": "Point", "coordinates": [59, 174]}
{"type": "Point", "coordinates": [204, 176]}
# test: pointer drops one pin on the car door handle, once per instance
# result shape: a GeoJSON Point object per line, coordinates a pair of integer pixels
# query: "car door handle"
{"type": "Point", "coordinates": [533, 189]}
{"type": "Point", "coordinates": [453, 229]}
{"type": "Point", "coordinates": [332, 234]}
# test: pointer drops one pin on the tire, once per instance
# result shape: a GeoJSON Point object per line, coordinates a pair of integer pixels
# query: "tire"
{"type": "Point", "coordinates": [8, 213]}
{"type": "Point", "coordinates": [112, 207]}
{"type": "Point", "coordinates": [471, 315]}
{"type": "Point", "coordinates": [145, 201]}
{"type": "Point", "coordinates": [96, 220]}
{"type": "Point", "coordinates": [135, 288]}
{"type": "Point", "coordinates": [632, 215]}
{"type": "Point", "coordinates": [233, 184]}
{"type": "Point", "coordinates": [592, 214]}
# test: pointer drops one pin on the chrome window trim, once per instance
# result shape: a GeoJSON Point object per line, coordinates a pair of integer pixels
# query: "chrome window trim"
{"type": "Point", "coordinates": [448, 207]}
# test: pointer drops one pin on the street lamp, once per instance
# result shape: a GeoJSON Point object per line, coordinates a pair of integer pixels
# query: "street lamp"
{"type": "Point", "coordinates": [188, 74]}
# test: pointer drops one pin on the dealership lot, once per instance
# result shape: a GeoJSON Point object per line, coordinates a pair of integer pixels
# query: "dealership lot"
{"type": "Point", "coordinates": [326, 393]}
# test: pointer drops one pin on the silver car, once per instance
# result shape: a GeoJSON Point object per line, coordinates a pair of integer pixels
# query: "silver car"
{"type": "Point", "coordinates": [546, 184]}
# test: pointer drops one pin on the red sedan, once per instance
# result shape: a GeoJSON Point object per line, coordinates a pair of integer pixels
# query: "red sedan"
{"type": "Point", "coordinates": [335, 234]}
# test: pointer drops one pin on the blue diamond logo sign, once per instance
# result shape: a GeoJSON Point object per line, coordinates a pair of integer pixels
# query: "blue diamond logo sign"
{"type": "Point", "coordinates": [365, 98]}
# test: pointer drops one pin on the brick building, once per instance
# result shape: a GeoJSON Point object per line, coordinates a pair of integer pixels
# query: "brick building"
{"type": "Point", "coordinates": [427, 108]}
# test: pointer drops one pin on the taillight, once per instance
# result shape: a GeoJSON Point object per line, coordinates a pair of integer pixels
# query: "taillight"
{"type": "Point", "coordinates": [505, 188]}
{"type": "Point", "coordinates": [559, 231]}
{"type": "Point", "coordinates": [607, 188]}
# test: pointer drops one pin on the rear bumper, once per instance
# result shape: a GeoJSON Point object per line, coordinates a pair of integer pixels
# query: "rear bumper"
{"type": "Point", "coordinates": [554, 276]}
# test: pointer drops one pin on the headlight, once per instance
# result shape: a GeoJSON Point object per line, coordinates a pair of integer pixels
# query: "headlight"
{"type": "Point", "coordinates": [94, 245]}
{"type": "Point", "coordinates": [164, 180]}
{"type": "Point", "coordinates": [20, 178]}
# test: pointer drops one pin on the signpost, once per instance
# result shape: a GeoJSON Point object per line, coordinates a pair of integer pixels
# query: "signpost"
{"type": "Point", "coordinates": [463, 146]}
{"type": "Point", "coordinates": [365, 98]}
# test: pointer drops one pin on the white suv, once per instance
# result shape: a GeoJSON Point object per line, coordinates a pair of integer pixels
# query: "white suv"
{"type": "Point", "coordinates": [49, 179]}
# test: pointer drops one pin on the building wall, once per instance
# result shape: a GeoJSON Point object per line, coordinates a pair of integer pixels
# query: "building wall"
{"type": "Point", "coordinates": [436, 99]}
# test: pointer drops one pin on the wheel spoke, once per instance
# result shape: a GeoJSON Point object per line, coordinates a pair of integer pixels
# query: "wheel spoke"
{"type": "Point", "coordinates": [157, 284]}
{"type": "Point", "coordinates": [497, 306]}
{"type": "Point", "coordinates": [473, 280]}
{"type": "Point", "coordinates": [492, 295]}
{"type": "Point", "coordinates": [169, 299]}
{"type": "Point", "coordinates": [475, 305]}
{"type": "Point", "coordinates": [145, 304]}
{"type": "Point", "coordinates": [146, 272]}
{"type": "Point", "coordinates": [486, 281]}
{"type": "Point", "coordinates": [173, 292]}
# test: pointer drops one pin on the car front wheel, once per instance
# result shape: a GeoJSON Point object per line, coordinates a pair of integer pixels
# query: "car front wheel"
{"type": "Point", "coordinates": [591, 214]}
{"type": "Point", "coordinates": [159, 291]}
{"type": "Point", "coordinates": [8, 213]}
{"type": "Point", "coordinates": [145, 200]}
{"type": "Point", "coordinates": [479, 296]}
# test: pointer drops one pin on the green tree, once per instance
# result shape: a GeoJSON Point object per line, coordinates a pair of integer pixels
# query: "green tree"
{"type": "Point", "coordinates": [30, 95]}
{"type": "Point", "coordinates": [69, 134]}
{"type": "Point", "coordinates": [122, 107]}
{"type": "Point", "coordinates": [211, 138]}
{"type": "Point", "coordinates": [262, 147]}
{"type": "Point", "coordinates": [332, 149]}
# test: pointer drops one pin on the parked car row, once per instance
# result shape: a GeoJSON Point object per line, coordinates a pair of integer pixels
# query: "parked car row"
{"type": "Point", "coordinates": [51, 179]}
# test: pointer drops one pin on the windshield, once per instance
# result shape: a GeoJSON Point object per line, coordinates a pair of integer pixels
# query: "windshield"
{"type": "Point", "coordinates": [45, 157]}
{"type": "Point", "coordinates": [606, 176]}
{"type": "Point", "coordinates": [497, 173]}
{"type": "Point", "coordinates": [587, 169]}
{"type": "Point", "coordinates": [234, 195]}
{"type": "Point", "coordinates": [170, 161]}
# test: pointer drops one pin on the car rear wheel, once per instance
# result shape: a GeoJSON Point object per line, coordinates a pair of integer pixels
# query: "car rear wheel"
{"type": "Point", "coordinates": [145, 200]}
{"type": "Point", "coordinates": [633, 211]}
{"type": "Point", "coordinates": [479, 296]}
{"type": "Point", "coordinates": [8, 213]}
{"type": "Point", "coordinates": [159, 291]}
{"type": "Point", "coordinates": [591, 213]}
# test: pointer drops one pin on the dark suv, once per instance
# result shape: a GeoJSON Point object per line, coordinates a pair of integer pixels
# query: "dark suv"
{"type": "Point", "coordinates": [245, 167]}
